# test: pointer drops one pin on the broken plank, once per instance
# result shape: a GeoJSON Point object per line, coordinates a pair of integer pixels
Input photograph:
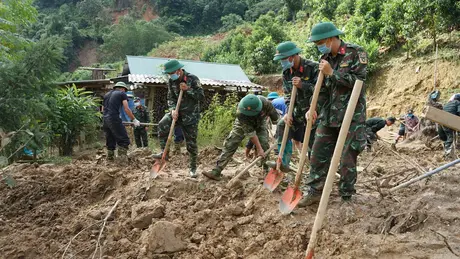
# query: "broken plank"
{"type": "Point", "coordinates": [442, 117]}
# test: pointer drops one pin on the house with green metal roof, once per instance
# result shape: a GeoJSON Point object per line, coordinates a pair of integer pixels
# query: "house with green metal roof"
{"type": "Point", "coordinates": [144, 76]}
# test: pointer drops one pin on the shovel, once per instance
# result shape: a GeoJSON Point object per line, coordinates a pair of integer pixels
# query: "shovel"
{"type": "Point", "coordinates": [321, 213]}
{"type": "Point", "coordinates": [274, 176]}
{"type": "Point", "coordinates": [161, 163]}
{"type": "Point", "coordinates": [292, 195]}
{"type": "Point", "coordinates": [240, 174]}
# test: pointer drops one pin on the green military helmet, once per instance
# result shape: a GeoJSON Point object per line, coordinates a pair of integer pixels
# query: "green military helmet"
{"type": "Point", "coordinates": [324, 30]}
{"type": "Point", "coordinates": [285, 50]}
{"type": "Point", "coordinates": [120, 85]}
{"type": "Point", "coordinates": [171, 66]}
{"type": "Point", "coordinates": [250, 105]}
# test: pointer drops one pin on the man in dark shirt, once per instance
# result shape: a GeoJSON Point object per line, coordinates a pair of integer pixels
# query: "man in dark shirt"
{"type": "Point", "coordinates": [115, 132]}
{"type": "Point", "coordinates": [446, 134]}
{"type": "Point", "coordinates": [373, 125]}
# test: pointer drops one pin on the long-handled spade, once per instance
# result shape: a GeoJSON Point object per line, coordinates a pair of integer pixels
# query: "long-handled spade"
{"type": "Point", "coordinates": [333, 168]}
{"type": "Point", "coordinates": [292, 195]}
{"type": "Point", "coordinates": [161, 163]}
{"type": "Point", "coordinates": [274, 176]}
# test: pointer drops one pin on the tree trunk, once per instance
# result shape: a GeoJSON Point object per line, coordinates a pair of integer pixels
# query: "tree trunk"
{"type": "Point", "coordinates": [67, 143]}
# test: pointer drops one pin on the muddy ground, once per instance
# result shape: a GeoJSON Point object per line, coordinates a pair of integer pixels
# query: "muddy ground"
{"type": "Point", "coordinates": [178, 217]}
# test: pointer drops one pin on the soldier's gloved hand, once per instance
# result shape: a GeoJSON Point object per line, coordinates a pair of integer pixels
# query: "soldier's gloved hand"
{"type": "Point", "coordinates": [287, 120]}
{"type": "Point", "coordinates": [174, 115]}
{"type": "Point", "coordinates": [136, 123]}
{"type": "Point", "coordinates": [183, 86]}
{"type": "Point", "coordinates": [297, 82]}
{"type": "Point", "coordinates": [315, 116]}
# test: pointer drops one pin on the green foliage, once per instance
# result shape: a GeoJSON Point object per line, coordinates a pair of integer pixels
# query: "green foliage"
{"type": "Point", "coordinates": [217, 121]}
{"type": "Point", "coordinates": [188, 17]}
{"type": "Point", "coordinates": [252, 47]}
{"type": "Point", "coordinates": [75, 111]}
{"type": "Point", "coordinates": [230, 21]}
{"type": "Point", "coordinates": [259, 8]}
{"type": "Point", "coordinates": [14, 16]}
{"type": "Point", "coordinates": [131, 37]}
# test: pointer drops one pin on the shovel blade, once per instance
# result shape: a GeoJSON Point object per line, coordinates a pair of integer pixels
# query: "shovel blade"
{"type": "Point", "coordinates": [273, 179]}
{"type": "Point", "coordinates": [156, 168]}
{"type": "Point", "coordinates": [289, 200]}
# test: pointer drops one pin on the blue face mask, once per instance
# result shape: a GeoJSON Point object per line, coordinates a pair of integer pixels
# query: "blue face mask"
{"type": "Point", "coordinates": [286, 64]}
{"type": "Point", "coordinates": [324, 49]}
{"type": "Point", "coordinates": [174, 77]}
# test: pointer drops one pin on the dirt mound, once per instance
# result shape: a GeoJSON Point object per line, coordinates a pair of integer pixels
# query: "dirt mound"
{"type": "Point", "coordinates": [180, 217]}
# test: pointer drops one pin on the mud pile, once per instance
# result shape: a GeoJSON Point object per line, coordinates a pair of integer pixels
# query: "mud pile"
{"type": "Point", "coordinates": [179, 217]}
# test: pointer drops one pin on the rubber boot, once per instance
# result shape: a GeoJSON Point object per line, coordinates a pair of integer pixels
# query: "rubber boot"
{"type": "Point", "coordinates": [123, 155]}
{"type": "Point", "coordinates": [215, 174]}
{"type": "Point", "coordinates": [193, 173]}
{"type": "Point", "coordinates": [309, 199]}
{"type": "Point", "coordinates": [110, 155]}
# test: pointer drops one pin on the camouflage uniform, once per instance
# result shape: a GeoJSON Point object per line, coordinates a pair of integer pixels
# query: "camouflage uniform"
{"type": "Point", "coordinates": [140, 134]}
{"type": "Point", "coordinates": [308, 72]}
{"type": "Point", "coordinates": [349, 65]}
{"type": "Point", "coordinates": [189, 114]}
{"type": "Point", "coordinates": [247, 126]}
{"type": "Point", "coordinates": [446, 134]}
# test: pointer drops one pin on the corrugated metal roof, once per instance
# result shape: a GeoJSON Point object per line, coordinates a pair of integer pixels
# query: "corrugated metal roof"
{"type": "Point", "coordinates": [214, 71]}
{"type": "Point", "coordinates": [148, 79]}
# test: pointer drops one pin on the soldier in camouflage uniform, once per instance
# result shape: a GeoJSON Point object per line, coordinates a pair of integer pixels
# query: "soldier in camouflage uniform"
{"type": "Point", "coordinates": [301, 73]}
{"type": "Point", "coordinates": [342, 64]}
{"type": "Point", "coordinates": [142, 114]}
{"type": "Point", "coordinates": [250, 121]}
{"type": "Point", "coordinates": [188, 114]}
{"type": "Point", "coordinates": [446, 134]}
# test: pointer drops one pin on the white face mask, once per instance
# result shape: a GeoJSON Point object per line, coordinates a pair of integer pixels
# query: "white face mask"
{"type": "Point", "coordinates": [137, 104]}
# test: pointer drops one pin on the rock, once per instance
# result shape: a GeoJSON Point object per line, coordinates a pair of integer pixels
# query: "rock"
{"type": "Point", "coordinates": [245, 220]}
{"type": "Point", "coordinates": [196, 238]}
{"type": "Point", "coordinates": [95, 214]}
{"type": "Point", "coordinates": [163, 237]}
{"type": "Point", "coordinates": [201, 229]}
{"type": "Point", "coordinates": [143, 213]}
{"type": "Point", "coordinates": [234, 210]}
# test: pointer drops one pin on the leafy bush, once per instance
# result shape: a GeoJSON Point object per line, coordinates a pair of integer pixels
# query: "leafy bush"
{"type": "Point", "coordinates": [217, 121]}
{"type": "Point", "coordinates": [131, 37]}
{"type": "Point", "coordinates": [75, 111]}
{"type": "Point", "coordinates": [230, 22]}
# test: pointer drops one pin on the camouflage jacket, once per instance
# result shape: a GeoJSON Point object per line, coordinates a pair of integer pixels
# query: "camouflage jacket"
{"type": "Point", "coordinates": [453, 107]}
{"type": "Point", "coordinates": [252, 123]}
{"type": "Point", "coordinates": [141, 113]}
{"type": "Point", "coordinates": [376, 124]}
{"type": "Point", "coordinates": [308, 72]}
{"type": "Point", "coordinates": [348, 65]}
{"type": "Point", "coordinates": [189, 111]}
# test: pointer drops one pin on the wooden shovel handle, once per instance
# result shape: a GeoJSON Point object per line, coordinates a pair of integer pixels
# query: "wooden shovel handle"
{"type": "Point", "coordinates": [238, 176]}
{"type": "Point", "coordinates": [173, 124]}
{"type": "Point", "coordinates": [306, 138]}
{"type": "Point", "coordinates": [286, 128]}
{"type": "Point", "coordinates": [334, 166]}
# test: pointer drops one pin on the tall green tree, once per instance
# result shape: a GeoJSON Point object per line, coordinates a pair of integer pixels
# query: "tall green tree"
{"type": "Point", "coordinates": [131, 37]}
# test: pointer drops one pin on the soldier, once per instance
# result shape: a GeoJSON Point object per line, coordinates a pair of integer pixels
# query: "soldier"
{"type": "Point", "coordinates": [142, 114]}
{"type": "Point", "coordinates": [342, 64]}
{"type": "Point", "coordinates": [115, 132]}
{"type": "Point", "coordinates": [446, 134]}
{"type": "Point", "coordinates": [280, 107]}
{"type": "Point", "coordinates": [250, 121]}
{"type": "Point", "coordinates": [301, 73]}
{"type": "Point", "coordinates": [188, 114]}
{"type": "Point", "coordinates": [373, 125]}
